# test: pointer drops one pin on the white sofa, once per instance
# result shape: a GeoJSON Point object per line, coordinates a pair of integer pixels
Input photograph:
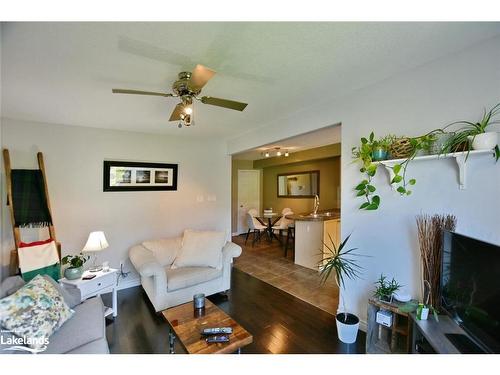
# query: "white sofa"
{"type": "Point", "coordinates": [166, 286]}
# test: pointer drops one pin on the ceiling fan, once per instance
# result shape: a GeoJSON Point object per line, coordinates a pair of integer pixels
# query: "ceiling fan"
{"type": "Point", "coordinates": [188, 87]}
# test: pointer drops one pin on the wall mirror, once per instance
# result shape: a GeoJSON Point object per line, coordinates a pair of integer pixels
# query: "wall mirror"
{"type": "Point", "coordinates": [298, 184]}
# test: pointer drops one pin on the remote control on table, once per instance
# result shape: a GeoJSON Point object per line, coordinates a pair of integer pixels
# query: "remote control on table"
{"type": "Point", "coordinates": [216, 331]}
{"type": "Point", "coordinates": [217, 338]}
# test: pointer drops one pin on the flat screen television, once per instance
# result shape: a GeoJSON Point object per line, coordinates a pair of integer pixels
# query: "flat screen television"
{"type": "Point", "coordinates": [470, 288]}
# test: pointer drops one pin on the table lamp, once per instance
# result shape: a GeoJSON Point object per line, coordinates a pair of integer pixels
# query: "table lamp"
{"type": "Point", "coordinates": [96, 242]}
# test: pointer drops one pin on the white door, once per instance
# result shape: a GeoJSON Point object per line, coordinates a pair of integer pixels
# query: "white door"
{"type": "Point", "coordinates": [248, 195]}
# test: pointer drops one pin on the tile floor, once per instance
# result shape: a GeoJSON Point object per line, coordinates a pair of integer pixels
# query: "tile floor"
{"type": "Point", "coordinates": [266, 262]}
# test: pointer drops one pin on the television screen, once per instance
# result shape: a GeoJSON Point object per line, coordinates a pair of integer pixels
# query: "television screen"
{"type": "Point", "coordinates": [470, 287]}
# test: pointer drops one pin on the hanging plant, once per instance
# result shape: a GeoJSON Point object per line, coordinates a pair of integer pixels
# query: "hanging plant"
{"type": "Point", "coordinates": [365, 154]}
{"type": "Point", "coordinates": [397, 147]}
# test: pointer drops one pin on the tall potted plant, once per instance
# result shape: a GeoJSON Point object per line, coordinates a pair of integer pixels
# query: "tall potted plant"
{"type": "Point", "coordinates": [342, 262]}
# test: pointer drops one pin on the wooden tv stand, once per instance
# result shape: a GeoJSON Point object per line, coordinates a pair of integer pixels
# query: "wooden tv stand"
{"type": "Point", "coordinates": [430, 335]}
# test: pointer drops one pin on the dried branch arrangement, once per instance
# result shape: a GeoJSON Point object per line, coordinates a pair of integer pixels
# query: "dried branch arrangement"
{"type": "Point", "coordinates": [430, 237]}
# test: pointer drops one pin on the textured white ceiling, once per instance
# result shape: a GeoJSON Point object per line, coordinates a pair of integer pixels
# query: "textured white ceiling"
{"type": "Point", "coordinates": [63, 72]}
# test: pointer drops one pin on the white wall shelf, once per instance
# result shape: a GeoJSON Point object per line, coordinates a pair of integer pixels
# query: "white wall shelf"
{"type": "Point", "coordinates": [460, 158]}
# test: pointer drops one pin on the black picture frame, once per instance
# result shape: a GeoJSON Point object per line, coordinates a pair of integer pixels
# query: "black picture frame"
{"type": "Point", "coordinates": [145, 177]}
{"type": "Point", "coordinates": [313, 172]}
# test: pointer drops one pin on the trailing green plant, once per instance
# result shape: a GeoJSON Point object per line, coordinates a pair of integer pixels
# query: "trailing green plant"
{"type": "Point", "coordinates": [342, 263]}
{"type": "Point", "coordinates": [463, 137]}
{"type": "Point", "coordinates": [385, 288]}
{"type": "Point", "coordinates": [422, 143]}
{"type": "Point", "coordinates": [363, 155]}
{"type": "Point", "coordinates": [75, 261]}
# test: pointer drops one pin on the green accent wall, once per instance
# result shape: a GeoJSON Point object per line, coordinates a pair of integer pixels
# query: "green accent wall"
{"type": "Point", "coordinates": [329, 185]}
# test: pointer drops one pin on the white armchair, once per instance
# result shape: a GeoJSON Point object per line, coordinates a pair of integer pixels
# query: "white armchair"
{"type": "Point", "coordinates": [166, 286]}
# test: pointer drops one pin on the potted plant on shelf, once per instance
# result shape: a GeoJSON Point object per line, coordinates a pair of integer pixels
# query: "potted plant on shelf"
{"type": "Point", "coordinates": [342, 262]}
{"type": "Point", "coordinates": [476, 136]}
{"type": "Point", "coordinates": [385, 288]}
{"type": "Point", "coordinates": [75, 268]}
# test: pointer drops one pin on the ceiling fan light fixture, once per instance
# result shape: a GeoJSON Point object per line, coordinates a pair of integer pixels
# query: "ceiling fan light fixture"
{"type": "Point", "coordinates": [188, 110]}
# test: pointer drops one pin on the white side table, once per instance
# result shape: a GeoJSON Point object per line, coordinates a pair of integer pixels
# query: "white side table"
{"type": "Point", "coordinates": [103, 282]}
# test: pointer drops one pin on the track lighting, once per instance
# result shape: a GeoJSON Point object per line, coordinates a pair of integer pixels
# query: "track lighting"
{"type": "Point", "coordinates": [278, 153]}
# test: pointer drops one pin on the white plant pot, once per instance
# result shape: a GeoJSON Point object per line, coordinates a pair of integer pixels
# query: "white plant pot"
{"type": "Point", "coordinates": [347, 331]}
{"type": "Point", "coordinates": [485, 141]}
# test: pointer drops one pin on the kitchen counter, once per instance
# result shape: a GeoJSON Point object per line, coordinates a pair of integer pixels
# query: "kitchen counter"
{"type": "Point", "coordinates": [322, 215]}
{"type": "Point", "coordinates": [311, 235]}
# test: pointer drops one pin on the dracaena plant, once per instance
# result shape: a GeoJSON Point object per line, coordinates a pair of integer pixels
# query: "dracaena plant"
{"type": "Point", "coordinates": [342, 262]}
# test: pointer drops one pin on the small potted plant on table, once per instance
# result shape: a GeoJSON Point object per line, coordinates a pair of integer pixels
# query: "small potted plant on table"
{"type": "Point", "coordinates": [342, 263]}
{"type": "Point", "coordinates": [385, 288]}
{"type": "Point", "coordinates": [75, 268]}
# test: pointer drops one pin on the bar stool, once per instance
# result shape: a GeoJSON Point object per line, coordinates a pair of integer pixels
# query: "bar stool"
{"type": "Point", "coordinates": [290, 238]}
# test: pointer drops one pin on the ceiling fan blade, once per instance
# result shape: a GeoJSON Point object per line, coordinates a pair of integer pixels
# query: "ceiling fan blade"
{"type": "Point", "coordinates": [138, 92]}
{"type": "Point", "coordinates": [231, 104]}
{"type": "Point", "coordinates": [176, 113]}
{"type": "Point", "coordinates": [200, 76]}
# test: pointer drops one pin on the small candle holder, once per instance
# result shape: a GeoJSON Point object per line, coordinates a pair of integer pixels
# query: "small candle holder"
{"type": "Point", "coordinates": [199, 301]}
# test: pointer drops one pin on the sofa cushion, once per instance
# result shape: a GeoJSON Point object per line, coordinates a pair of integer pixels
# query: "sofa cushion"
{"type": "Point", "coordinates": [10, 285]}
{"type": "Point", "coordinates": [94, 347]}
{"type": "Point", "coordinates": [200, 249]}
{"type": "Point", "coordinates": [180, 278]}
{"type": "Point", "coordinates": [72, 296]}
{"type": "Point", "coordinates": [164, 250]}
{"type": "Point", "coordinates": [34, 312]}
{"type": "Point", "coordinates": [86, 325]}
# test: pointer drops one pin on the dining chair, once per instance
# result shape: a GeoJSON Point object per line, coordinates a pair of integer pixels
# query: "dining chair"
{"type": "Point", "coordinates": [254, 226]}
{"type": "Point", "coordinates": [284, 222]}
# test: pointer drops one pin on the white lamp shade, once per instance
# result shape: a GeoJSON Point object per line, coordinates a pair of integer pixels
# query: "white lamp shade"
{"type": "Point", "coordinates": [96, 242]}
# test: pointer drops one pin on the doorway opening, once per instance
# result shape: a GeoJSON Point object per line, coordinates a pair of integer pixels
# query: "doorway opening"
{"type": "Point", "coordinates": [285, 207]}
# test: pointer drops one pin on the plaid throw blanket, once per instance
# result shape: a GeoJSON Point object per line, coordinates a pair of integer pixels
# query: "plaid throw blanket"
{"type": "Point", "coordinates": [28, 194]}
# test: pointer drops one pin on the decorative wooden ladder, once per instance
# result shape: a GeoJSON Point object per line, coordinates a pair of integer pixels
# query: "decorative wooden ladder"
{"type": "Point", "coordinates": [14, 260]}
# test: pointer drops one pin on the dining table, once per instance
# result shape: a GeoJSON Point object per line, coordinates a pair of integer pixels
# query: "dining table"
{"type": "Point", "coordinates": [269, 219]}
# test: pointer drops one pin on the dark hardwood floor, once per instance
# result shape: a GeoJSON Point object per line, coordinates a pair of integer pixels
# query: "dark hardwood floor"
{"type": "Point", "coordinates": [279, 322]}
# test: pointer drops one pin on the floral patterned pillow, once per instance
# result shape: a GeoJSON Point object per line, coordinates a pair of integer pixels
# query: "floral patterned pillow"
{"type": "Point", "coordinates": [34, 312]}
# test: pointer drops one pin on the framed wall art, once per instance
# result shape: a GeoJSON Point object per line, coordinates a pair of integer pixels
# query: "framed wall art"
{"type": "Point", "coordinates": [138, 176]}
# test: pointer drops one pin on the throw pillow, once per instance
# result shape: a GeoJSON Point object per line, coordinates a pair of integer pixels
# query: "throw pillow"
{"type": "Point", "coordinates": [72, 297]}
{"type": "Point", "coordinates": [34, 312]}
{"type": "Point", "coordinates": [39, 258]}
{"type": "Point", "coordinates": [164, 250]}
{"type": "Point", "coordinates": [200, 249]}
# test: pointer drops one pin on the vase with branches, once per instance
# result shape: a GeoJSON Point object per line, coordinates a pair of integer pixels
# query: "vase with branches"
{"type": "Point", "coordinates": [342, 263]}
{"type": "Point", "coordinates": [430, 236]}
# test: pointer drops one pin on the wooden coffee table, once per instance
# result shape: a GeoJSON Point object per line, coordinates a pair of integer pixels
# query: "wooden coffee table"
{"type": "Point", "coordinates": [187, 326]}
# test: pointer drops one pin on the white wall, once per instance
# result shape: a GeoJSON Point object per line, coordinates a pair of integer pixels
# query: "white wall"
{"type": "Point", "coordinates": [452, 88]}
{"type": "Point", "coordinates": [74, 164]}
